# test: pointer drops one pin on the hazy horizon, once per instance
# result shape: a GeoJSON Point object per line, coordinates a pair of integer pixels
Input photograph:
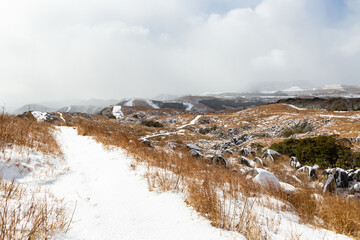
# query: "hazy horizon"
{"type": "Point", "coordinates": [62, 49]}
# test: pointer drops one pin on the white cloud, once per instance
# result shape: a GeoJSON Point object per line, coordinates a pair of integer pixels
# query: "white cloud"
{"type": "Point", "coordinates": [113, 49]}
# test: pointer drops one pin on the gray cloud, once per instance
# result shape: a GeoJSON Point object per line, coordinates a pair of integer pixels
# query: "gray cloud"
{"type": "Point", "coordinates": [53, 50]}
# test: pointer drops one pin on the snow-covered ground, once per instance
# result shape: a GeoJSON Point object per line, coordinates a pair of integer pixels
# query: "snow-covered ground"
{"type": "Point", "coordinates": [112, 202]}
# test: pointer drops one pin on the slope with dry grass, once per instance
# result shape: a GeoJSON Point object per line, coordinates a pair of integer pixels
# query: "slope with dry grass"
{"type": "Point", "coordinates": [28, 212]}
{"type": "Point", "coordinates": [224, 195]}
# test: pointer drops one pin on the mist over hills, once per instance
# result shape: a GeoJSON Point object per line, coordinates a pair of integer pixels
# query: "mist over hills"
{"type": "Point", "coordinates": [203, 102]}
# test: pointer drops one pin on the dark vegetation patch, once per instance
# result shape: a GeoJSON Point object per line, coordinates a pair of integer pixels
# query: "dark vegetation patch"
{"type": "Point", "coordinates": [330, 104]}
{"type": "Point", "coordinates": [221, 104]}
{"type": "Point", "coordinates": [326, 151]}
{"type": "Point", "coordinates": [151, 123]}
{"type": "Point", "coordinates": [208, 130]}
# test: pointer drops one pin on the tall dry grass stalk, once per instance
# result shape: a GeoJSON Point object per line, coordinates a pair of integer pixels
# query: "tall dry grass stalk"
{"type": "Point", "coordinates": [25, 215]}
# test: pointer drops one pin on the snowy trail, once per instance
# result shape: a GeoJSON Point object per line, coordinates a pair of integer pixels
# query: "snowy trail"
{"type": "Point", "coordinates": [114, 203]}
{"type": "Point", "coordinates": [192, 122]}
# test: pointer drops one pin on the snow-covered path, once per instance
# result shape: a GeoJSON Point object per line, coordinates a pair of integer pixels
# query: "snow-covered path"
{"type": "Point", "coordinates": [114, 203]}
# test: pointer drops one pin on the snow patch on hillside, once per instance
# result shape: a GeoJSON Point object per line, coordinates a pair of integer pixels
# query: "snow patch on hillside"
{"type": "Point", "coordinates": [152, 104]}
{"type": "Point", "coordinates": [118, 114]}
{"type": "Point", "coordinates": [191, 123]}
{"type": "Point", "coordinates": [189, 106]}
{"type": "Point", "coordinates": [129, 103]}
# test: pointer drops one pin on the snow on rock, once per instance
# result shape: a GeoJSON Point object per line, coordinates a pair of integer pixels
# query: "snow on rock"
{"type": "Point", "coordinates": [294, 162]}
{"type": "Point", "coordinates": [247, 162]}
{"type": "Point", "coordinates": [40, 116]}
{"type": "Point", "coordinates": [114, 203]}
{"type": "Point", "coordinates": [266, 179]}
{"type": "Point", "coordinates": [193, 146]}
{"type": "Point", "coordinates": [310, 171]}
{"type": "Point", "coordinates": [330, 184]}
{"type": "Point", "coordinates": [118, 114]}
{"type": "Point", "coordinates": [270, 155]}
{"type": "Point", "coordinates": [287, 187]}
{"type": "Point", "coordinates": [152, 104]}
{"type": "Point", "coordinates": [61, 116]}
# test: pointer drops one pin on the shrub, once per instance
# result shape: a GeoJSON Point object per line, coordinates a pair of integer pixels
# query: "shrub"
{"type": "Point", "coordinates": [152, 123]}
{"type": "Point", "coordinates": [326, 151]}
{"type": "Point", "coordinates": [207, 130]}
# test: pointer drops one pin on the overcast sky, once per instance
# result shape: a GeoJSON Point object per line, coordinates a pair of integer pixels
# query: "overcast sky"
{"type": "Point", "coordinates": [61, 49]}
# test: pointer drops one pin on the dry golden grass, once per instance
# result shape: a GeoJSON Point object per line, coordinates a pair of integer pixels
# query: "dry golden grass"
{"type": "Point", "coordinates": [340, 214]}
{"type": "Point", "coordinates": [25, 215]}
{"type": "Point", "coordinates": [16, 131]}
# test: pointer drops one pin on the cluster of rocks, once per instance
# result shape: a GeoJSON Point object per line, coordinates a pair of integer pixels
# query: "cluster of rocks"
{"type": "Point", "coordinates": [278, 129]}
{"type": "Point", "coordinates": [338, 178]}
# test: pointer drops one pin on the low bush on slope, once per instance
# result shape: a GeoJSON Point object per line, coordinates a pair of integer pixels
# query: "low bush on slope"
{"type": "Point", "coordinates": [326, 151]}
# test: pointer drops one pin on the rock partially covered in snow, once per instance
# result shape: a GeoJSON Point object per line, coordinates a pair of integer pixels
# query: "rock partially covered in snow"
{"type": "Point", "coordinates": [228, 151]}
{"type": "Point", "coordinates": [294, 162]}
{"type": "Point", "coordinates": [266, 179]}
{"type": "Point", "coordinates": [193, 146]}
{"type": "Point", "coordinates": [220, 160]}
{"type": "Point", "coordinates": [247, 162]}
{"type": "Point", "coordinates": [258, 161]}
{"type": "Point", "coordinates": [40, 116]}
{"type": "Point", "coordinates": [288, 188]}
{"type": "Point", "coordinates": [270, 155]}
{"type": "Point", "coordinates": [330, 185]}
{"type": "Point", "coordinates": [195, 153]}
{"type": "Point", "coordinates": [341, 178]}
{"type": "Point", "coordinates": [245, 151]}
{"type": "Point", "coordinates": [310, 171]}
{"type": "Point", "coordinates": [355, 189]}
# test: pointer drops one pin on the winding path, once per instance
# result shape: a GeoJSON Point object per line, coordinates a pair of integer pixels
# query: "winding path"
{"type": "Point", "coordinates": [112, 202]}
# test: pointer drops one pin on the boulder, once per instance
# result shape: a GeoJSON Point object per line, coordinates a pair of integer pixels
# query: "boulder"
{"type": "Point", "coordinates": [355, 189]}
{"type": "Point", "coordinates": [220, 160]}
{"type": "Point", "coordinates": [270, 155]}
{"type": "Point", "coordinates": [258, 161]}
{"type": "Point", "coordinates": [266, 179]}
{"type": "Point", "coordinates": [341, 178]}
{"type": "Point", "coordinates": [309, 171]}
{"type": "Point", "coordinates": [193, 146]}
{"type": "Point", "coordinates": [294, 162]}
{"type": "Point", "coordinates": [246, 162]}
{"type": "Point", "coordinates": [357, 175]}
{"type": "Point", "coordinates": [228, 151]}
{"type": "Point", "coordinates": [330, 184]}
{"type": "Point", "coordinates": [195, 153]}
{"type": "Point", "coordinates": [245, 151]}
